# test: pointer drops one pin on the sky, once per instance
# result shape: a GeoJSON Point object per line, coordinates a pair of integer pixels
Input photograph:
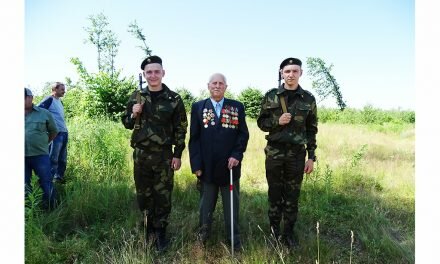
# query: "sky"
{"type": "Point", "coordinates": [370, 43]}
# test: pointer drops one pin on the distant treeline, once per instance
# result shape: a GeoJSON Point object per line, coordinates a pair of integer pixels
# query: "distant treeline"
{"type": "Point", "coordinates": [367, 115]}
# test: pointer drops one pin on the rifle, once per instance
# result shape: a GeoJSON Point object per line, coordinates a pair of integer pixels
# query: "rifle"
{"type": "Point", "coordinates": [279, 79]}
{"type": "Point", "coordinates": [138, 101]}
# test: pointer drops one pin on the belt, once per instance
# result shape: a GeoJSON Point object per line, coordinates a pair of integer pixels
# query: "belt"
{"type": "Point", "coordinates": [284, 145]}
{"type": "Point", "coordinates": [154, 147]}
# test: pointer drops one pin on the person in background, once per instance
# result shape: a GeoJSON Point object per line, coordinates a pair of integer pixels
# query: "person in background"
{"type": "Point", "coordinates": [58, 147]}
{"type": "Point", "coordinates": [40, 130]}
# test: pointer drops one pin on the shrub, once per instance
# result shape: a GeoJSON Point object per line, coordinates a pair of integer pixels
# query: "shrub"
{"type": "Point", "coordinates": [251, 99]}
{"type": "Point", "coordinates": [105, 95]}
{"type": "Point", "coordinates": [187, 97]}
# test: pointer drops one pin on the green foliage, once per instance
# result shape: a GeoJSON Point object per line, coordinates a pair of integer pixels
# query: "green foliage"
{"type": "Point", "coordinates": [105, 41]}
{"type": "Point", "coordinates": [324, 82]}
{"type": "Point", "coordinates": [136, 31]}
{"type": "Point", "coordinates": [101, 94]}
{"type": "Point", "coordinates": [99, 148]}
{"type": "Point", "coordinates": [229, 94]}
{"type": "Point", "coordinates": [367, 115]}
{"type": "Point", "coordinates": [203, 94]}
{"type": "Point", "coordinates": [187, 97]}
{"type": "Point", "coordinates": [251, 99]}
{"type": "Point", "coordinates": [357, 157]}
{"type": "Point", "coordinates": [76, 102]}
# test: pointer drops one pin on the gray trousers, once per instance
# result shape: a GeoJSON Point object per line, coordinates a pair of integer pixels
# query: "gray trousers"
{"type": "Point", "coordinates": [208, 201]}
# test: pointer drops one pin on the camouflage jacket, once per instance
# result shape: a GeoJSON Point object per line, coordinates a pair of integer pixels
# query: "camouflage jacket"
{"type": "Point", "coordinates": [303, 127]}
{"type": "Point", "coordinates": [163, 123]}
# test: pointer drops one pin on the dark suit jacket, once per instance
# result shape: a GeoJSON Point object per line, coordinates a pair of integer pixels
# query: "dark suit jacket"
{"type": "Point", "coordinates": [213, 140]}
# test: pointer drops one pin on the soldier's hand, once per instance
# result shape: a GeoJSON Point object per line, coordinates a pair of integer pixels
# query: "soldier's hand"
{"type": "Point", "coordinates": [175, 164]}
{"type": "Point", "coordinates": [285, 119]}
{"type": "Point", "coordinates": [137, 109]}
{"type": "Point", "coordinates": [308, 168]}
{"type": "Point", "coordinates": [232, 162]}
{"type": "Point", "coordinates": [198, 173]}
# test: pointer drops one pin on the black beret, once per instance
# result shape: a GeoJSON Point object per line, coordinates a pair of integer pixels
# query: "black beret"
{"type": "Point", "coordinates": [290, 61]}
{"type": "Point", "coordinates": [151, 59]}
{"type": "Point", "coordinates": [222, 173]}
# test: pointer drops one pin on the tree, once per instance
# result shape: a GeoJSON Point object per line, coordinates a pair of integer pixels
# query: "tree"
{"type": "Point", "coordinates": [102, 94]}
{"type": "Point", "coordinates": [137, 32]}
{"type": "Point", "coordinates": [97, 34]}
{"type": "Point", "coordinates": [105, 41]}
{"type": "Point", "coordinates": [111, 50]}
{"type": "Point", "coordinates": [251, 99]}
{"type": "Point", "coordinates": [323, 81]}
{"type": "Point", "coordinates": [187, 97]}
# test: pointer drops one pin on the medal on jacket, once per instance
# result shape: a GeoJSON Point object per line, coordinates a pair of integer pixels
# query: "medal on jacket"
{"type": "Point", "coordinates": [208, 118]}
{"type": "Point", "coordinates": [229, 117]}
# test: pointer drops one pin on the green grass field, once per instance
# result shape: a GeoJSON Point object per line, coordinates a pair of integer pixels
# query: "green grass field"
{"type": "Point", "coordinates": [363, 182]}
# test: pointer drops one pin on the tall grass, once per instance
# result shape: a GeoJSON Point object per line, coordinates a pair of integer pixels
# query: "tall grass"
{"type": "Point", "coordinates": [363, 181]}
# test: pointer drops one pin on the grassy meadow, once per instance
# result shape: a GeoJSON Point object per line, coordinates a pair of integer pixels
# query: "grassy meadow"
{"type": "Point", "coordinates": [363, 182]}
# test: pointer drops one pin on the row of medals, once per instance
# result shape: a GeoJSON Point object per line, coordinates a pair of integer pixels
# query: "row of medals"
{"type": "Point", "coordinates": [208, 117]}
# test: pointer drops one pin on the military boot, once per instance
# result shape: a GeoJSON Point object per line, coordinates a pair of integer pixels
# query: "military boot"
{"type": "Point", "coordinates": [161, 241]}
{"type": "Point", "coordinates": [148, 228]}
{"type": "Point", "coordinates": [289, 237]}
{"type": "Point", "coordinates": [150, 233]}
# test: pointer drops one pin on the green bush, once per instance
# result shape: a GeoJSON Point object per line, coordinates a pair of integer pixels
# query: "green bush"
{"type": "Point", "coordinates": [76, 102]}
{"type": "Point", "coordinates": [187, 97]}
{"type": "Point", "coordinates": [106, 94]}
{"type": "Point", "coordinates": [251, 99]}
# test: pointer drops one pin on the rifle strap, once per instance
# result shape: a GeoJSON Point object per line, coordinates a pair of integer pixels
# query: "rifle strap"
{"type": "Point", "coordinates": [283, 104]}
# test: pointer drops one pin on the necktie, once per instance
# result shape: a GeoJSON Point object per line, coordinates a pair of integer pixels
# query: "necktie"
{"type": "Point", "coordinates": [217, 109]}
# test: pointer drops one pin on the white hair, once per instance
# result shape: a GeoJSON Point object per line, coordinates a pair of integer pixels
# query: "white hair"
{"type": "Point", "coordinates": [218, 74]}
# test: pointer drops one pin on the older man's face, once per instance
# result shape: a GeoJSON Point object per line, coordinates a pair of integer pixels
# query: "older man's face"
{"type": "Point", "coordinates": [217, 87]}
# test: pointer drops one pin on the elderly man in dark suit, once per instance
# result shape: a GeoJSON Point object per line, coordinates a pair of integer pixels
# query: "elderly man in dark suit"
{"type": "Point", "coordinates": [218, 139]}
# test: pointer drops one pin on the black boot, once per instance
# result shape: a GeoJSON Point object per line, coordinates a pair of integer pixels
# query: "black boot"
{"type": "Point", "coordinates": [289, 237]}
{"type": "Point", "coordinates": [203, 234]}
{"type": "Point", "coordinates": [161, 241]}
{"type": "Point", "coordinates": [150, 233]}
{"type": "Point", "coordinates": [148, 228]}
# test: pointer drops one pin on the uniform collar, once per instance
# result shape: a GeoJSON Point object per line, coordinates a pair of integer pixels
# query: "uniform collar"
{"type": "Point", "coordinates": [298, 90]}
{"type": "Point", "coordinates": [165, 90]}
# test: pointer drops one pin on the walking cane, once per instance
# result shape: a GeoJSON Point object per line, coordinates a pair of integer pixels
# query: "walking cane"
{"type": "Point", "coordinates": [231, 190]}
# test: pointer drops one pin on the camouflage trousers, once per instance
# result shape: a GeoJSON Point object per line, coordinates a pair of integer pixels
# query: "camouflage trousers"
{"type": "Point", "coordinates": [154, 181]}
{"type": "Point", "coordinates": [284, 174]}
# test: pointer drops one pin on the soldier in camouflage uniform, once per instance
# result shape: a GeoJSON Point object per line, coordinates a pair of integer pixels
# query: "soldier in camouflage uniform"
{"type": "Point", "coordinates": [163, 123]}
{"type": "Point", "coordinates": [290, 128]}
